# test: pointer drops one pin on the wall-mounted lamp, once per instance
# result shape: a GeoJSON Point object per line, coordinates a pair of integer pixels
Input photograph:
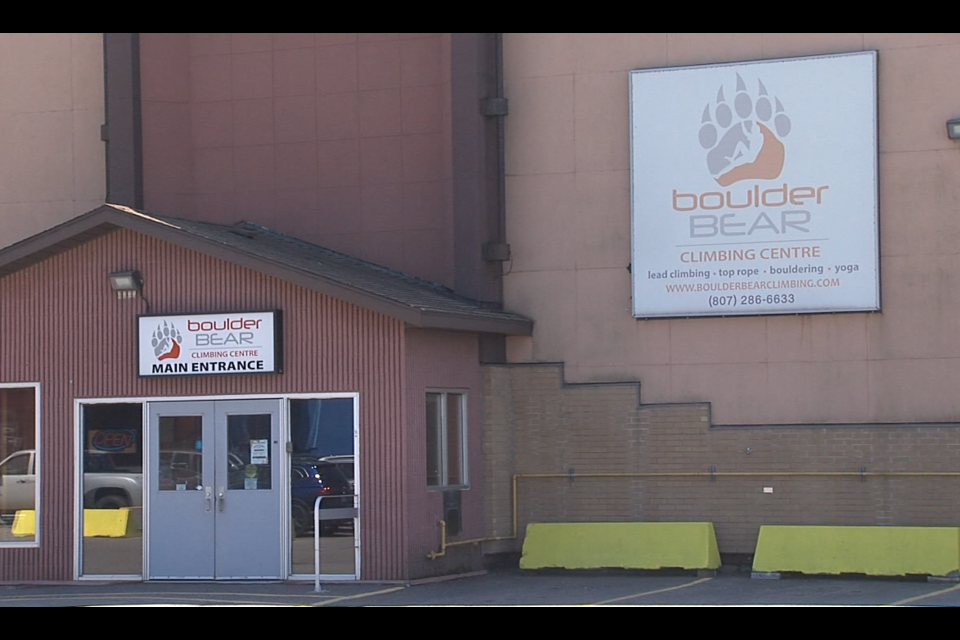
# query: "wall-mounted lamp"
{"type": "Point", "coordinates": [953, 129]}
{"type": "Point", "coordinates": [127, 284]}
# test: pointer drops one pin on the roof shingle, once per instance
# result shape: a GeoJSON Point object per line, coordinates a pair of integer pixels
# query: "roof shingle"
{"type": "Point", "coordinates": [416, 301]}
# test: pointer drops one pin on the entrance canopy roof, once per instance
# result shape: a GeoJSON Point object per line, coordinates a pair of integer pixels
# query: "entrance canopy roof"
{"type": "Point", "coordinates": [419, 303]}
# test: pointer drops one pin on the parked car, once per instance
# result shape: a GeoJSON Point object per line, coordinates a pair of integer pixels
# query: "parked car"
{"type": "Point", "coordinates": [184, 468]}
{"type": "Point", "coordinates": [345, 462]}
{"type": "Point", "coordinates": [311, 478]}
{"type": "Point", "coordinates": [104, 486]}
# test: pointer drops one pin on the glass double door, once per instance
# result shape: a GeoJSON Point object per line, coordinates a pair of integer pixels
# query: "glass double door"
{"type": "Point", "coordinates": [214, 489]}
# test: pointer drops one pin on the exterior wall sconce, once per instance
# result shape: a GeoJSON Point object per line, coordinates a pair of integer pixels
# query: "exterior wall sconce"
{"type": "Point", "coordinates": [127, 284]}
{"type": "Point", "coordinates": [953, 129]}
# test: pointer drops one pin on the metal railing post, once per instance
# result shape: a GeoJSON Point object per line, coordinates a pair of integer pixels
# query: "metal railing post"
{"type": "Point", "coordinates": [316, 546]}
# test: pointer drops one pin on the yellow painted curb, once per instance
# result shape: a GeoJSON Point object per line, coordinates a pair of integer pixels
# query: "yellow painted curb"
{"type": "Point", "coordinates": [627, 545]}
{"type": "Point", "coordinates": [881, 551]}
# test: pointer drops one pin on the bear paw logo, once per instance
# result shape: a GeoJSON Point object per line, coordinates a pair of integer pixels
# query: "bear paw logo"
{"type": "Point", "coordinates": [166, 341]}
{"type": "Point", "coordinates": [745, 147]}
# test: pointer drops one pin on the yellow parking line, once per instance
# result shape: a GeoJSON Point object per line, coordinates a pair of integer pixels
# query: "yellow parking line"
{"type": "Point", "coordinates": [650, 593]}
{"type": "Point", "coordinates": [922, 597]}
{"type": "Point", "coordinates": [359, 595]}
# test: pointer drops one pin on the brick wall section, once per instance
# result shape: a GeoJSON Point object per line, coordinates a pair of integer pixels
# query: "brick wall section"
{"type": "Point", "coordinates": [534, 423]}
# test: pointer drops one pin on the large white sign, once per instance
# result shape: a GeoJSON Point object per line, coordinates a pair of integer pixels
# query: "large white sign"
{"type": "Point", "coordinates": [205, 344]}
{"type": "Point", "coordinates": [754, 187]}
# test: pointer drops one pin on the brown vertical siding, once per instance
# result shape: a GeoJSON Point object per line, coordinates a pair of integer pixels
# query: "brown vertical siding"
{"type": "Point", "coordinates": [444, 360]}
{"type": "Point", "coordinates": [62, 326]}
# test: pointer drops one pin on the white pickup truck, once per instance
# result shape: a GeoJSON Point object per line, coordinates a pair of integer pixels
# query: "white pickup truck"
{"type": "Point", "coordinates": [104, 487]}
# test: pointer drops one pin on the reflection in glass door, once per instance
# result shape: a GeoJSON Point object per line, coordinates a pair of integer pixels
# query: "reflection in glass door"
{"type": "Point", "coordinates": [111, 448]}
{"type": "Point", "coordinates": [323, 465]}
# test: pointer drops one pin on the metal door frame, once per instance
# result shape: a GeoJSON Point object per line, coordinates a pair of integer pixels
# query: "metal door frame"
{"type": "Point", "coordinates": [219, 410]}
{"type": "Point", "coordinates": [285, 543]}
{"type": "Point", "coordinates": [206, 409]}
{"type": "Point", "coordinates": [225, 541]}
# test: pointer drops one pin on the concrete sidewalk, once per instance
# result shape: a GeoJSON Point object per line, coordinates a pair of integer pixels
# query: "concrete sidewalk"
{"type": "Point", "coordinates": [502, 588]}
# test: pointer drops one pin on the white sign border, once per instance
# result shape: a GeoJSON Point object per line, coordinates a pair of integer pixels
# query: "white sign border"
{"type": "Point", "coordinates": [877, 307]}
{"type": "Point", "coordinates": [277, 315]}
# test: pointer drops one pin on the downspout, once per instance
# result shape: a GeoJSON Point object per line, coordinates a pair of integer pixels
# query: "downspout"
{"type": "Point", "coordinates": [496, 107]}
{"type": "Point", "coordinates": [501, 150]}
{"type": "Point", "coordinates": [122, 130]}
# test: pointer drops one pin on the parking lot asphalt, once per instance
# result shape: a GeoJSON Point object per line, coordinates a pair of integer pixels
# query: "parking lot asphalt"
{"type": "Point", "coordinates": [503, 588]}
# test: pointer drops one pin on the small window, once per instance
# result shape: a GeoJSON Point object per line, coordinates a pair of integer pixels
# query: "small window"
{"type": "Point", "coordinates": [18, 464]}
{"type": "Point", "coordinates": [446, 439]}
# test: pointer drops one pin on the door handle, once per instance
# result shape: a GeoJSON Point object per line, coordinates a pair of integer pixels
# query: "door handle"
{"type": "Point", "coordinates": [208, 498]}
{"type": "Point", "coordinates": [220, 499]}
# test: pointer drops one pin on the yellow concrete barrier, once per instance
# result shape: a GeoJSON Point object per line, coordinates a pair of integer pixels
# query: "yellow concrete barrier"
{"type": "Point", "coordinates": [25, 523]}
{"type": "Point", "coordinates": [102, 523]}
{"type": "Point", "coordinates": [880, 551]}
{"type": "Point", "coordinates": [97, 523]}
{"type": "Point", "coordinates": [110, 523]}
{"type": "Point", "coordinates": [627, 545]}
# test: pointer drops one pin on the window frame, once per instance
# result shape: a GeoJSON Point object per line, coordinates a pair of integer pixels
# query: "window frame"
{"type": "Point", "coordinates": [37, 467]}
{"type": "Point", "coordinates": [442, 428]}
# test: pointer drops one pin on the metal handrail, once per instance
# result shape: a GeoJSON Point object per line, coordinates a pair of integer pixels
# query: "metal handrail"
{"type": "Point", "coordinates": [316, 533]}
{"type": "Point", "coordinates": [316, 546]}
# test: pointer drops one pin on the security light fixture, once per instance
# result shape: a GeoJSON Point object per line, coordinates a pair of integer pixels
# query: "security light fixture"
{"type": "Point", "coordinates": [953, 129]}
{"type": "Point", "coordinates": [127, 284]}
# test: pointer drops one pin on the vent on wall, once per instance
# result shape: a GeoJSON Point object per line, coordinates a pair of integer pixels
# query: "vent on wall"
{"type": "Point", "coordinates": [451, 511]}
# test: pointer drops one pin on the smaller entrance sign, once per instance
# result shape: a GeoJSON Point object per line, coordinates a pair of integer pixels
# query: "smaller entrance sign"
{"type": "Point", "coordinates": [259, 452]}
{"type": "Point", "coordinates": [209, 344]}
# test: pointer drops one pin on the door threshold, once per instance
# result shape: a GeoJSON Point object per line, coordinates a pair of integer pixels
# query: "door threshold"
{"type": "Point", "coordinates": [216, 580]}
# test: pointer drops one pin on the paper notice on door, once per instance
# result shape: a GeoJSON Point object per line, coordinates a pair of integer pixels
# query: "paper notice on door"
{"type": "Point", "coordinates": [259, 452]}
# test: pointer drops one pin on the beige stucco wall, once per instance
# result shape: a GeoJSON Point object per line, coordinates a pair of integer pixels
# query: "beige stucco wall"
{"type": "Point", "coordinates": [51, 109]}
{"type": "Point", "coordinates": [568, 224]}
